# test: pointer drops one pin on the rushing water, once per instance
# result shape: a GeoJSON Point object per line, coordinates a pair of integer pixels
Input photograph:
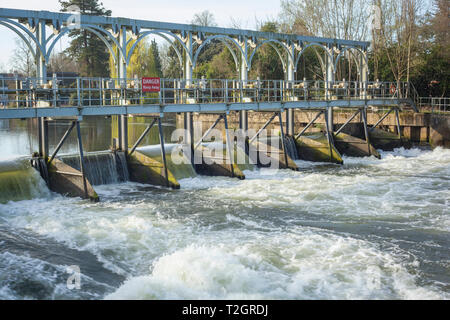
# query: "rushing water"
{"type": "Point", "coordinates": [370, 229]}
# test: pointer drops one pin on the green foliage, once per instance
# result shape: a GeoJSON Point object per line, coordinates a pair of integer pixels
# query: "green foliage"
{"type": "Point", "coordinates": [430, 67]}
{"type": "Point", "coordinates": [145, 61]}
{"type": "Point", "coordinates": [173, 69]}
{"type": "Point", "coordinates": [266, 63]}
{"type": "Point", "coordinates": [222, 66]}
{"type": "Point", "coordinates": [86, 48]}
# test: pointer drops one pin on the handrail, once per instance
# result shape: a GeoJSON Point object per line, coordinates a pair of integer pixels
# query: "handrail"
{"type": "Point", "coordinates": [22, 92]}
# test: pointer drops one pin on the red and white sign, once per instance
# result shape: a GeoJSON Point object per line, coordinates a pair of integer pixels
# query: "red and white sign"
{"type": "Point", "coordinates": [151, 84]}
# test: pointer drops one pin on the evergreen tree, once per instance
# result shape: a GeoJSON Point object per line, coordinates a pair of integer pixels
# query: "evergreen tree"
{"type": "Point", "coordinates": [267, 64]}
{"type": "Point", "coordinates": [145, 61]}
{"type": "Point", "coordinates": [156, 59]}
{"type": "Point", "coordinates": [86, 48]}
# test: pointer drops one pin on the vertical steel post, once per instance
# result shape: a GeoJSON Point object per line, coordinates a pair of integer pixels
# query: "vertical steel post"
{"type": "Point", "coordinates": [329, 134]}
{"type": "Point", "coordinates": [230, 146]}
{"type": "Point", "coordinates": [82, 164]}
{"type": "Point", "coordinates": [290, 121]}
{"type": "Point", "coordinates": [329, 86]}
{"type": "Point", "coordinates": [188, 117]}
{"type": "Point", "coordinates": [43, 138]}
{"type": "Point", "coordinates": [366, 131]}
{"type": "Point", "coordinates": [123, 119]}
{"type": "Point", "coordinates": [364, 69]}
{"type": "Point", "coordinates": [399, 129]}
{"type": "Point", "coordinates": [41, 66]}
{"type": "Point", "coordinates": [283, 145]}
{"type": "Point", "coordinates": [243, 115]}
{"type": "Point", "coordinates": [163, 152]}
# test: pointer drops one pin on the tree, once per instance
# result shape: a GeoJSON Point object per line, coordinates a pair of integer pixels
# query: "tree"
{"type": "Point", "coordinates": [399, 34]}
{"type": "Point", "coordinates": [431, 76]}
{"type": "Point", "coordinates": [170, 62]}
{"type": "Point", "coordinates": [266, 63]}
{"type": "Point", "coordinates": [86, 48]}
{"type": "Point", "coordinates": [156, 58]}
{"type": "Point", "coordinates": [340, 19]}
{"type": "Point", "coordinates": [60, 62]}
{"type": "Point", "coordinates": [22, 59]}
{"type": "Point", "coordinates": [145, 61]}
{"type": "Point", "coordinates": [204, 19]}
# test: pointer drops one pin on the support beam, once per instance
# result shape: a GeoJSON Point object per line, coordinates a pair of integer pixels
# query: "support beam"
{"type": "Point", "coordinates": [381, 120]}
{"type": "Point", "coordinates": [208, 131]}
{"type": "Point", "coordinates": [366, 131]}
{"type": "Point", "coordinates": [188, 116]}
{"type": "Point", "coordinates": [309, 125]}
{"type": "Point", "coordinates": [329, 86]}
{"type": "Point", "coordinates": [60, 144]}
{"type": "Point", "coordinates": [123, 133]}
{"type": "Point", "coordinates": [41, 66]}
{"type": "Point", "coordinates": [330, 120]}
{"type": "Point", "coordinates": [264, 127]}
{"type": "Point", "coordinates": [122, 74]}
{"type": "Point", "coordinates": [364, 75]}
{"type": "Point", "coordinates": [230, 147]}
{"type": "Point", "coordinates": [290, 120]}
{"type": "Point", "coordinates": [347, 122]}
{"type": "Point", "coordinates": [283, 145]}
{"type": "Point", "coordinates": [138, 142]}
{"type": "Point", "coordinates": [82, 165]}
{"type": "Point", "coordinates": [399, 129]}
{"type": "Point", "coordinates": [329, 135]}
{"type": "Point", "coordinates": [243, 115]}
{"type": "Point", "coordinates": [163, 152]}
{"type": "Point", "coordinates": [43, 138]}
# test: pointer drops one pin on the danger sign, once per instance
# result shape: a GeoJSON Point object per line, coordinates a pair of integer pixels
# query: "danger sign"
{"type": "Point", "coordinates": [151, 84]}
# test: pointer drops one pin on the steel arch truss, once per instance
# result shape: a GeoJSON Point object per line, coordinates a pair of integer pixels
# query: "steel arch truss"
{"type": "Point", "coordinates": [226, 40]}
{"type": "Point", "coordinates": [242, 44]}
{"type": "Point", "coordinates": [16, 27]}
{"type": "Point", "coordinates": [273, 43]}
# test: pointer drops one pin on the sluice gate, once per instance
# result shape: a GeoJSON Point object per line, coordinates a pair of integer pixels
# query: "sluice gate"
{"type": "Point", "coordinates": [49, 98]}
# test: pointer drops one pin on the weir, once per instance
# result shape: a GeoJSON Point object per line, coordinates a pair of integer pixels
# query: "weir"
{"type": "Point", "coordinates": [230, 103]}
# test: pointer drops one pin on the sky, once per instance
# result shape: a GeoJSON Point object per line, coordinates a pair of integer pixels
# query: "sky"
{"type": "Point", "coordinates": [245, 12]}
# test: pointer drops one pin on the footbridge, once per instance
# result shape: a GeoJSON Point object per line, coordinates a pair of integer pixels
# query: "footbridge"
{"type": "Point", "coordinates": [47, 98]}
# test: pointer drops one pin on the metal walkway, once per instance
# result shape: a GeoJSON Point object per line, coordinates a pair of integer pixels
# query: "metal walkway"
{"type": "Point", "coordinates": [78, 97]}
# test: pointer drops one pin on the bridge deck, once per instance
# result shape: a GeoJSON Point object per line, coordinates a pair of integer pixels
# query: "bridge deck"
{"type": "Point", "coordinates": [78, 97]}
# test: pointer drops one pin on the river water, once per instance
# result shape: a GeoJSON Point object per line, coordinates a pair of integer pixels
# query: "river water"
{"type": "Point", "coordinates": [370, 229]}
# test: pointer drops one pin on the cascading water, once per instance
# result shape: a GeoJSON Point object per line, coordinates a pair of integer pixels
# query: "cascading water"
{"type": "Point", "coordinates": [101, 167]}
{"type": "Point", "coordinates": [20, 181]}
{"type": "Point", "coordinates": [181, 168]}
{"type": "Point", "coordinates": [369, 229]}
{"type": "Point", "coordinates": [291, 148]}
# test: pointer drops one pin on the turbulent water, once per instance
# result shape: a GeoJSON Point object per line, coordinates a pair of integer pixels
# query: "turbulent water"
{"type": "Point", "coordinates": [370, 229]}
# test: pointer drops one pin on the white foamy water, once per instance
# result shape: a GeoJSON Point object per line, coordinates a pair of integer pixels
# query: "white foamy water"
{"type": "Point", "coordinates": [371, 229]}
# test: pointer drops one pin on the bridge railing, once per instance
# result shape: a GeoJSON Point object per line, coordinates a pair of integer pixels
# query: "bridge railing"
{"type": "Point", "coordinates": [18, 92]}
{"type": "Point", "coordinates": [434, 104]}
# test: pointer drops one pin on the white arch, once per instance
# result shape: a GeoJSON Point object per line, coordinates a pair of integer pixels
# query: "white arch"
{"type": "Point", "coordinates": [96, 30]}
{"type": "Point", "coordinates": [271, 43]}
{"type": "Point", "coordinates": [314, 44]}
{"type": "Point", "coordinates": [362, 54]}
{"type": "Point", "coordinates": [7, 23]}
{"type": "Point", "coordinates": [223, 39]}
{"type": "Point", "coordinates": [163, 34]}
{"type": "Point", "coordinates": [357, 63]}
